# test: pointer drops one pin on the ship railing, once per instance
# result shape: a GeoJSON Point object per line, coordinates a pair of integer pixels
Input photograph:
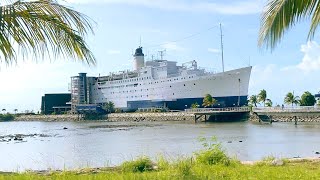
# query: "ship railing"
{"type": "Point", "coordinates": [227, 109]}
{"type": "Point", "coordinates": [287, 109]}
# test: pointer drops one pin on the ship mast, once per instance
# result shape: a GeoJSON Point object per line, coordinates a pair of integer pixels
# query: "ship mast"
{"type": "Point", "coordinates": [221, 48]}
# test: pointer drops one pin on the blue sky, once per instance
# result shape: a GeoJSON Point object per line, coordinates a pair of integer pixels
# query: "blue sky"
{"type": "Point", "coordinates": [293, 66]}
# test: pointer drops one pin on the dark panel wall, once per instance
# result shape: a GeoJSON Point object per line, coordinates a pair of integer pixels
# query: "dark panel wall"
{"type": "Point", "coordinates": [51, 100]}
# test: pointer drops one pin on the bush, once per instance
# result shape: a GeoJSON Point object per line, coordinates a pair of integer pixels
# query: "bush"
{"type": "Point", "coordinates": [6, 117]}
{"type": "Point", "coordinates": [212, 153]}
{"type": "Point", "coordinates": [142, 164]}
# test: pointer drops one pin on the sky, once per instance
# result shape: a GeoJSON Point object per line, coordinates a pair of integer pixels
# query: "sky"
{"type": "Point", "coordinates": [187, 30]}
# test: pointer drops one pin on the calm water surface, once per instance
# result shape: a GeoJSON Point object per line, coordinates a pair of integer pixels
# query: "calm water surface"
{"type": "Point", "coordinates": [96, 144]}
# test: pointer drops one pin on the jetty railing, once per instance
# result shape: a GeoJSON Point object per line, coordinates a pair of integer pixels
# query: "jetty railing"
{"type": "Point", "coordinates": [228, 109]}
{"type": "Point", "coordinates": [287, 109]}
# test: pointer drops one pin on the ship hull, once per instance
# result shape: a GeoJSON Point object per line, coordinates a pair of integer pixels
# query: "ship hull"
{"type": "Point", "coordinates": [229, 88]}
{"type": "Point", "coordinates": [181, 104]}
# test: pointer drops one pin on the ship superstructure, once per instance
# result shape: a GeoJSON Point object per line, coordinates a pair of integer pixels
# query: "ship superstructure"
{"type": "Point", "coordinates": [162, 83]}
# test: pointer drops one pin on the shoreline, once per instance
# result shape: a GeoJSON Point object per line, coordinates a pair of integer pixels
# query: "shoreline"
{"type": "Point", "coordinates": [154, 117]}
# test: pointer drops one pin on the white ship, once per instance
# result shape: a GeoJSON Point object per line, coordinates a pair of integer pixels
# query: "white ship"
{"type": "Point", "coordinates": [162, 83]}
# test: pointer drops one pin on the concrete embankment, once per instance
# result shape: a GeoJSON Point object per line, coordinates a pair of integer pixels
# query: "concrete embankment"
{"type": "Point", "coordinates": [167, 116]}
{"type": "Point", "coordinates": [114, 117]}
{"type": "Point", "coordinates": [49, 118]}
{"type": "Point", "coordinates": [287, 116]}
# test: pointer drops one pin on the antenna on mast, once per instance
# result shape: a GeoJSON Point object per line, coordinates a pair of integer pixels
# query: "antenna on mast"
{"type": "Point", "coordinates": [221, 48]}
{"type": "Point", "coordinates": [140, 41]}
{"type": "Point", "coordinates": [162, 54]}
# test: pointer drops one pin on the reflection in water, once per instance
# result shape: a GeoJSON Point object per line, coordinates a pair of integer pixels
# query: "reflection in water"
{"type": "Point", "coordinates": [97, 144]}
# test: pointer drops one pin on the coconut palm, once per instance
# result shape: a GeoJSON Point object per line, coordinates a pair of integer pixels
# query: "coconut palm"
{"type": "Point", "coordinates": [280, 15]}
{"type": "Point", "coordinates": [269, 103]}
{"type": "Point", "coordinates": [253, 100]}
{"type": "Point", "coordinates": [208, 101]}
{"type": "Point", "coordinates": [42, 28]}
{"type": "Point", "coordinates": [262, 97]}
{"type": "Point", "coordinates": [291, 99]}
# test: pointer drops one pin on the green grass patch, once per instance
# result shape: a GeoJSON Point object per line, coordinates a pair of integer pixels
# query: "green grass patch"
{"type": "Point", "coordinates": [141, 164]}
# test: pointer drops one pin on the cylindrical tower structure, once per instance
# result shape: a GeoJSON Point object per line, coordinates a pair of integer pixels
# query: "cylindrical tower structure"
{"type": "Point", "coordinates": [79, 89]}
{"type": "Point", "coordinates": [138, 61]}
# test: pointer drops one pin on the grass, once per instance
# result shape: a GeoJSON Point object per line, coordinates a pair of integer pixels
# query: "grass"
{"type": "Point", "coordinates": [209, 163]}
{"type": "Point", "coordinates": [184, 169]}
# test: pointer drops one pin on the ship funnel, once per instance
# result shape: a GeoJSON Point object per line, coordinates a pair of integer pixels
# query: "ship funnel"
{"type": "Point", "coordinates": [138, 61]}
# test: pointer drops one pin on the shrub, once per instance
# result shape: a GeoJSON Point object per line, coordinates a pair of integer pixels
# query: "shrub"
{"type": "Point", "coordinates": [212, 153]}
{"type": "Point", "coordinates": [6, 117]}
{"type": "Point", "coordinates": [142, 164]}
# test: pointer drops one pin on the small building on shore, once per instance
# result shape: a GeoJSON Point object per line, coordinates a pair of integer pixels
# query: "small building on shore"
{"type": "Point", "coordinates": [58, 103]}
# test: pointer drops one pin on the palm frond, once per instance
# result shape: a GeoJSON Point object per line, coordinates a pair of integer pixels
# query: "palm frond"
{"type": "Point", "coordinates": [280, 15]}
{"type": "Point", "coordinates": [43, 27]}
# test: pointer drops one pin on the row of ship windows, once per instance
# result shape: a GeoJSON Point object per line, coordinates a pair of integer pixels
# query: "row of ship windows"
{"type": "Point", "coordinates": [140, 90]}
{"type": "Point", "coordinates": [129, 80]}
{"type": "Point", "coordinates": [128, 97]}
{"type": "Point", "coordinates": [137, 79]}
{"type": "Point", "coordinates": [134, 85]}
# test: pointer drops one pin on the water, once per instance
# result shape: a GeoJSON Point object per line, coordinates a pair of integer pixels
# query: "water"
{"type": "Point", "coordinates": [96, 144]}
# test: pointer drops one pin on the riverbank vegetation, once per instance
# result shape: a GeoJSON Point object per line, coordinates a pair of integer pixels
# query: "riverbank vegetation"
{"type": "Point", "coordinates": [209, 163]}
{"type": "Point", "coordinates": [6, 117]}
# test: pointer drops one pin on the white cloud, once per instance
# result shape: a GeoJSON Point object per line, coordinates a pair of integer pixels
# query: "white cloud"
{"type": "Point", "coordinates": [311, 59]}
{"type": "Point", "coordinates": [172, 46]}
{"type": "Point", "coordinates": [235, 7]}
{"type": "Point", "coordinates": [214, 50]}
{"type": "Point", "coordinates": [112, 52]}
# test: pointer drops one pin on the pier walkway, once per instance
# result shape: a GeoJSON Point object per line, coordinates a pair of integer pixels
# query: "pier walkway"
{"type": "Point", "coordinates": [207, 112]}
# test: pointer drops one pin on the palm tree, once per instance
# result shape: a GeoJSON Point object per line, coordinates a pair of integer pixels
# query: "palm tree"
{"type": "Point", "coordinates": [262, 97]}
{"type": "Point", "coordinates": [269, 103]}
{"type": "Point", "coordinates": [43, 28]}
{"type": "Point", "coordinates": [253, 100]}
{"type": "Point", "coordinates": [208, 101]}
{"type": "Point", "coordinates": [280, 15]}
{"type": "Point", "coordinates": [15, 111]}
{"type": "Point", "coordinates": [4, 111]}
{"type": "Point", "coordinates": [291, 99]}
{"type": "Point", "coordinates": [109, 107]}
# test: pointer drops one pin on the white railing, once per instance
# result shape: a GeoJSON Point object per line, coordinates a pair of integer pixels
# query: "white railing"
{"type": "Point", "coordinates": [287, 109]}
{"type": "Point", "coordinates": [229, 109]}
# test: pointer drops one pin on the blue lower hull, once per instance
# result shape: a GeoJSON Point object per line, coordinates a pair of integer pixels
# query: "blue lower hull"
{"type": "Point", "coordinates": [181, 104]}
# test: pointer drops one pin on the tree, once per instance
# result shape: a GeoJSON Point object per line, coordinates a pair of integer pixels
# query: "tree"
{"type": "Point", "coordinates": [269, 103]}
{"type": "Point", "coordinates": [262, 97]}
{"type": "Point", "coordinates": [307, 99]}
{"type": "Point", "coordinates": [209, 101]}
{"type": "Point", "coordinates": [291, 99]}
{"type": "Point", "coordinates": [194, 105]}
{"type": "Point", "coordinates": [4, 111]}
{"type": "Point", "coordinates": [15, 111]}
{"type": "Point", "coordinates": [253, 100]}
{"type": "Point", "coordinates": [43, 28]}
{"type": "Point", "coordinates": [109, 107]}
{"type": "Point", "coordinates": [280, 15]}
